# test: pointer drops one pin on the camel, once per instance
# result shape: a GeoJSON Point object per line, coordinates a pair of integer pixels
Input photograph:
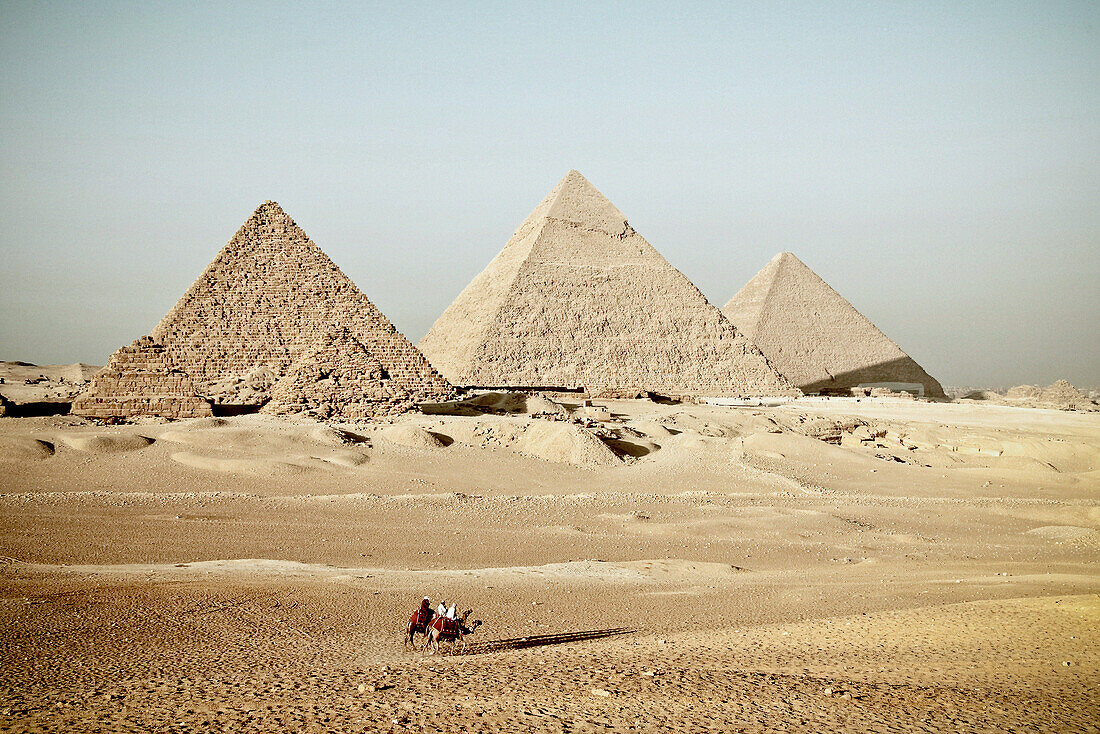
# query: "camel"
{"type": "Point", "coordinates": [420, 621]}
{"type": "Point", "coordinates": [457, 635]}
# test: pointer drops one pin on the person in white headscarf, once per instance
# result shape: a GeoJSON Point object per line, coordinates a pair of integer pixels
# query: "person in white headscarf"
{"type": "Point", "coordinates": [452, 610]}
{"type": "Point", "coordinates": [441, 610]}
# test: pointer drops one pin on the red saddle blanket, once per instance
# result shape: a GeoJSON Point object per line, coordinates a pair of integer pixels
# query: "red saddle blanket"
{"type": "Point", "coordinates": [446, 627]}
{"type": "Point", "coordinates": [419, 620]}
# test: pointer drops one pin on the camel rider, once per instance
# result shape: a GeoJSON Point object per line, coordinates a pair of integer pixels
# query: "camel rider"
{"type": "Point", "coordinates": [451, 610]}
{"type": "Point", "coordinates": [441, 610]}
{"type": "Point", "coordinates": [426, 608]}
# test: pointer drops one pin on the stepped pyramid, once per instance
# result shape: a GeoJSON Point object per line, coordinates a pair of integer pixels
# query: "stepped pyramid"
{"type": "Point", "coordinates": [577, 299]}
{"type": "Point", "coordinates": [338, 378]}
{"type": "Point", "coordinates": [140, 380]}
{"type": "Point", "coordinates": [818, 340]}
{"type": "Point", "coordinates": [263, 302]}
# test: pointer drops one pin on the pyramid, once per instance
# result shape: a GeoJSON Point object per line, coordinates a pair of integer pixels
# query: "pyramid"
{"type": "Point", "coordinates": [577, 299]}
{"type": "Point", "coordinates": [818, 340]}
{"type": "Point", "coordinates": [262, 304]}
{"type": "Point", "coordinates": [140, 380]}
{"type": "Point", "coordinates": [338, 378]}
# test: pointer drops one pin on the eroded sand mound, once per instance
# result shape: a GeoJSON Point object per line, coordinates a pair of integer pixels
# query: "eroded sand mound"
{"type": "Point", "coordinates": [264, 446]}
{"type": "Point", "coordinates": [556, 441]}
{"type": "Point", "coordinates": [105, 444]}
{"type": "Point", "coordinates": [412, 436]}
{"type": "Point", "coordinates": [565, 442]}
{"type": "Point", "coordinates": [247, 467]}
{"type": "Point", "coordinates": [22, 448]}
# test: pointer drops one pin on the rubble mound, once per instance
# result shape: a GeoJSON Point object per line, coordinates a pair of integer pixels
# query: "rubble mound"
{"type": "Point", "coordinates": [412, 437]}
{"type": "Point", "coordinates": [1064, 396]}
{"type": "Point", "coordinates": [339, 378]}
{"type": "Point", "coordinates": [1061, 395]}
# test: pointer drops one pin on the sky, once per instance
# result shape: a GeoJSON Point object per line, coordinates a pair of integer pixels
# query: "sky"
{"type": "Point", "coordinates": [937, 163]}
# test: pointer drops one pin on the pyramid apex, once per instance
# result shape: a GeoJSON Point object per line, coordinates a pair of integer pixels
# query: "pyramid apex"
{"type": "Point", "coordinates": [576, 200]}
{"type": "Point", "coordinates": [271, 207]}
{"type": "Point", "coordinates": [574, 178]}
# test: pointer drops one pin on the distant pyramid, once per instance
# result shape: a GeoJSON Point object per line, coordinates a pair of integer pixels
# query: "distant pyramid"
{"type": "Point", "coordinates": [578, 299]}
{"type": "Point", "coordinates": [265, 300]}
{"type": "Point", "coordinates": [815, 338]}
{"type": "Point", "coordinates": [140, 380]}
{"type": "Point", "coordinates": [338, 378]}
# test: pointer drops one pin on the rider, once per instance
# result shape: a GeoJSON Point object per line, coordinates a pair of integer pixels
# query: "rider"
{"type": "Point", "coordinates": [441, 610]}
{"type": "Point", "coordinates": [451, 610]}
{"type": "Point", "coordinates": [425, 608]}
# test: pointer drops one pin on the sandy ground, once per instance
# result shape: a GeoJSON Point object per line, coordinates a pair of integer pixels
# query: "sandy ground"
{"type": "Point", "coordinates": [933, 567]}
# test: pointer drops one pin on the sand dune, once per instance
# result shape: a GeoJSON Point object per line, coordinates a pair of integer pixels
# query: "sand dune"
{"type": "Point", "coordinates": [18, 449]}
{"type": "Point", "coordinates": [100, 444]}
{"type": "Point", "coordinates": [869, 565]}
{"type": "Point", "coordinates": [412, 436]}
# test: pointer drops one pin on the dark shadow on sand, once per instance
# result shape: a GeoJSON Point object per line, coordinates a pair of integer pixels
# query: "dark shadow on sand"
{"type": "Point", "coordinates": [518, 643]}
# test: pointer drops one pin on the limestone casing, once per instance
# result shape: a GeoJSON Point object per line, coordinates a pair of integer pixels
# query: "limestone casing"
{"type": "Point", "coordinates": [816, 338]}
{"type": "Point", "coordinates": [578, 299]}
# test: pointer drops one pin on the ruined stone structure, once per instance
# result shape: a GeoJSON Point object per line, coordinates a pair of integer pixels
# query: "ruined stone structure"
{"type": "Point", "coordinates": [264, 302]}
{"type": "Point", "coordinates": [818, 340]}
{"type": "Point", "coordinates": [140, 380]}
{"type": "Point", "coordinates": [338, 378]}
{"type": "Point", "coordinates": [577, 299]}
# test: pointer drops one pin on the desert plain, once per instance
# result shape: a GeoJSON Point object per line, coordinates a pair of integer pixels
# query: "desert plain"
{"type": "Point", "coordinates": [874, 564]}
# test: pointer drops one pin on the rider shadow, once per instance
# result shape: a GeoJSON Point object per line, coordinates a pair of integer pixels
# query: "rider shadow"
{"type": "Point", "coordinates": [518, 643]}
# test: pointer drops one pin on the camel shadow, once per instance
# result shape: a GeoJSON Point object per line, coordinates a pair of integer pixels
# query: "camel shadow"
{"type": "Point", "coordinates": [519, 643]}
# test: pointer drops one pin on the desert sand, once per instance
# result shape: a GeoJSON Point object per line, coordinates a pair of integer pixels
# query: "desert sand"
{"type": "Point", "coordinates": [816, 564]}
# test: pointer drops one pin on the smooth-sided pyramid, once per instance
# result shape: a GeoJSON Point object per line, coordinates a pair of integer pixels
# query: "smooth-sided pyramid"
{"type": "Point", "coordinates": [264, 301]}
{"type": "Point", "coordinates": [818, 340]}
{"type": "Point", "coordinates": [338, 378]}
{"type": "Point", "coordinates": [140, 380]}
{"type": "Point", "coordinates": [577, 299]}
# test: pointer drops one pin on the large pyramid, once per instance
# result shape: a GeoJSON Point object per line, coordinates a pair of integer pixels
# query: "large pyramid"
{"type": "Point", "coordinates": [264, 301]}
{"type": "Point", "coordinates": [577, 299]}
{"type": "Point", "coordinates": [818, 340]}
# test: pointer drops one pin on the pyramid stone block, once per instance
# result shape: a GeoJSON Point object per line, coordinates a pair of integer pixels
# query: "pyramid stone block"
{"type": "Point", "coordinates": [578, 299]}
{"type": "Point", "coordinates": [140, 380]}
{"type": "Point", "coordinates": [818, 340]}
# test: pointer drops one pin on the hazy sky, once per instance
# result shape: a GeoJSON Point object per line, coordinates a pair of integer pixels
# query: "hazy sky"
{"type": "Point", "coordinates": [939, 165]}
